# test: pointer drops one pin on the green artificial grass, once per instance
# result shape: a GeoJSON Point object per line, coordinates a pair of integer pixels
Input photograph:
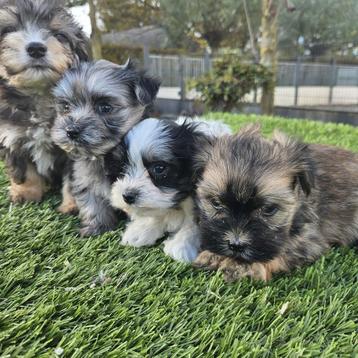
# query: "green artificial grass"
{"type": "Point", "coordinates": [65, 296]}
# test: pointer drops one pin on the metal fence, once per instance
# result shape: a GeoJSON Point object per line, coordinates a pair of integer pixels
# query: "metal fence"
{"type": "Point", "coordinates": [298, 83]}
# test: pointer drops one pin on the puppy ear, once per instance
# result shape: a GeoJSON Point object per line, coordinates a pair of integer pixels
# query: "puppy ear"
{"type": "Point", "coordinates": [300, 160]}
{"type": "Point", "coordinates": [253, 129]}
{"type": "Point", "coordinates": [82, 47]}
{"type": "Point", "coordinates": [146, 88]}
{"type": "Point", "coordinates": [202, 155]}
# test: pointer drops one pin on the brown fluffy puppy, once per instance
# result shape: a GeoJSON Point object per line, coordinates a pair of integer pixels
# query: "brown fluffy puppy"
{"type": "Point", "coordinates": [267, 206]}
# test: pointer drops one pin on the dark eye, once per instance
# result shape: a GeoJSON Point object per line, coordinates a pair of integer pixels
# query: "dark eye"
{"type": "Point", "coordinates": [65, 107]}
{"type": "Point", "coordinates": [269, 210]}
{"type": "Point", "coordinates": [103, 108]}
{"type": "Point", "coordinates": [217, 205]}
{"type": "Point", "coordinates": [159, 169]}
{"type": "Point", "coordinates": [61, 37]}
{"type": "Point", "coordinates": [8, 29]}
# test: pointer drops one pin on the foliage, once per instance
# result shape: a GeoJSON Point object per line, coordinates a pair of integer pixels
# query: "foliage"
{"type": "Point", "coordinates": [75, 2]}
{"type": "Point", "coordinates": [213, 23]}
{"type": "Point", "coordinates": [127, 14]}
{"type": "Point", "coordinates": [96, 298]}
{"type": "Point", "coordinates": [327, 26]}
{"type": "Point", "coordinates": [229, 81]}
{"type": "Point", "coordinates": [120, 54]}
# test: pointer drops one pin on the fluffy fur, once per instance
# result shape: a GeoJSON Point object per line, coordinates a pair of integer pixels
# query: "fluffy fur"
{"type": "Point", "coordinates": [157, 184]}
{"type": "Point", "coordinates": [269, 206]}
{"type": "Point", "coordinates": [39, 41]}
{"type": "Point", "coordinates": [98, 103]}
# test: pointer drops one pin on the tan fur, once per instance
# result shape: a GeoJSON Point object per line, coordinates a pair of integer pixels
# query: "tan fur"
{"type": "Point", "coordinates": [68, 205]}
{"type": "Point", "coordinates": [233, 271]}
{"type": "Point", "coordinates": [314, 187]}
{"type": "Point", "coordinates": [32, 189]}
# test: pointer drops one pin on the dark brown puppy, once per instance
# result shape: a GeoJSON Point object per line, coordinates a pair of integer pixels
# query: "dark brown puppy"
{"type": "Point", "coordinates": [270, 206]}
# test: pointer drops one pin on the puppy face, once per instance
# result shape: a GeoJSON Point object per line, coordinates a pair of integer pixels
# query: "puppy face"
{"type": "Point", "coordinates": [249, 195]}
{"type": "Point", "coordinates": [97, 104]}
{"type": "Point", "coordinates": [39, 40]}
{"type": "Point", "coordinates": [159, 171]}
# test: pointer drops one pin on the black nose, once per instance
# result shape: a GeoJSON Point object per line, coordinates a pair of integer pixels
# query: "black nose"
{"type": "Point", "coordinates": [72, 132]}
{"type": "Point", "coordinates": [130, 197]}
{"type": "Point", "coordinates": [36, 50]}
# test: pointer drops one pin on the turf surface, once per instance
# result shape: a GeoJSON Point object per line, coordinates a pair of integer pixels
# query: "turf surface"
{"type": "Point", "coordinates": [64, 296]}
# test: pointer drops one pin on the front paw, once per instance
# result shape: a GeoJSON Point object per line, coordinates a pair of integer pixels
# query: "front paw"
{"type": "Point", "coordinates": [137, 237]}
{"type": "Point", "coordinates": [91, 230]}
{"type": "Point", "coordinates": [180, 250]}
{"type": "Point", "coordinates": [208, 260]}
{"type": "Point", "coordinates": [68, 209]}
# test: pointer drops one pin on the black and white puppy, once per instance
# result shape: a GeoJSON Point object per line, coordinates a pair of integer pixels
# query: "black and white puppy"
{"type": "Point", "coordinates": [39, 41]}
{"type": "Point", "coordinates": [157, 184]}
{"type": "Point", "coordinates": [98, 103]}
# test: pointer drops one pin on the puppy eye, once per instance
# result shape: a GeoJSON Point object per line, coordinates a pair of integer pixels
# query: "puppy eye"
{"type": "Point", "coordinates": [159, 169]}
{"type": "Point", "coordinates": [65, 107]}
{"type": "Point", "coordinates": [8, 29]}
{"type": "Point", "coordinates": [103, 108]}
{"type": "Point", "coordinates": [217, 205]}
{"type": "Point", "coordinates": [269, 210]}
{"type": "Point", "coordinates": [61, 37]}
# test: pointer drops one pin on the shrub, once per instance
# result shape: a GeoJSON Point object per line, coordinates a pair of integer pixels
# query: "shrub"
{"type": "Point", "coordinates": [120, 54]}
{"type": "Point", "coordinates": [224, 87]}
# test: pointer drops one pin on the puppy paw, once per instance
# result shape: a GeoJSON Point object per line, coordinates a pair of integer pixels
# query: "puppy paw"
{"type": "Point", "coordinates": [208, 260]}
{"type": "Point", "coordinates": [180, 250]}
{"type": "Point", "coordinates": [233, 271]}
{"type": "Point", "coordinates": [68, 209]}
{"type": "Point", "coordinates": [137, 238]}
{"type": "Point", "coordinates": [20, 195]}
{"type": "Point", "coordinates": [91, 230]}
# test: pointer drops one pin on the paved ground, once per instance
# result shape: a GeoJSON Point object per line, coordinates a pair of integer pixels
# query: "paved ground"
{"type": "Point", "coordinates": [285, 96]}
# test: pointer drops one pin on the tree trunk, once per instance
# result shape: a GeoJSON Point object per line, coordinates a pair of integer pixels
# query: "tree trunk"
{"type": "Point", "coordinates": [96, 41]}
{"type": "Point", "coordinates": [268, 51]}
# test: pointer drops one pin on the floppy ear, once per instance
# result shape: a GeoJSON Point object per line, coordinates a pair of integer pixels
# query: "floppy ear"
{"type": "Point", "coordinates": [146, 88]}
{"type": "Point", "coordinates": [300, 160]}
{"type": "Point", "coordinates": [253, 129]}
{"type": "Point", "coordinates": [202, 154]}
{"type": "Point", "coordinates": [82, 47]}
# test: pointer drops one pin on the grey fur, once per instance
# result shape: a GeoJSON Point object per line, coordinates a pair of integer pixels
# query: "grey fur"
{"type": "Point", "coordinates": [27, 110]}
{"type": "Point", "coordinates": [80, 95]}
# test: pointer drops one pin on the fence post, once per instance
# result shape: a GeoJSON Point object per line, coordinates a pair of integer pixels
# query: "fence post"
{"type": "Point", "coordinates": [333, 80]}
{"type": "Point", "coordinates": [296, 80]}
{"type": "Point", "coordinates": [146, 58]}
{"type": "Point", "coordinates": [207, 62]}
{"type": "Point", "coordinates": [182, 82]}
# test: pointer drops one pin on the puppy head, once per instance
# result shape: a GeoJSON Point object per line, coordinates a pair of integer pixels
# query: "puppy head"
{"type": "Point", "coordinates": [250, 192]}
{"type": "Point", "coordinates": [39, 40]}
{"type": "Point", "coordinates": [160, 169]}
{"type": "Point", "coordinates": [98, 103]}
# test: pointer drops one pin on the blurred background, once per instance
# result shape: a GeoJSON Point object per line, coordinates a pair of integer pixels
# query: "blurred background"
{"type": "Point", "coordinates": [295, 58]}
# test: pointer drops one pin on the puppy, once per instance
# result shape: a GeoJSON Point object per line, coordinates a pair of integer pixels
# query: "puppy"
{"type": "Point", "coordinates": [39, 41]}
{"type": "Point", "coordinates": [267, 206]}
{"type": "Point", "coordinates": [98, 103]}
{"type": "Point", "coordinates": [157, 184]}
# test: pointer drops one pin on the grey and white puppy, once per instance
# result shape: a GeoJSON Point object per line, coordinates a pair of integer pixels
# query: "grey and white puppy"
{"type": "Point", "coordinates": [98, 103]}
{"type": "Point", "coordinates": [39, 41]}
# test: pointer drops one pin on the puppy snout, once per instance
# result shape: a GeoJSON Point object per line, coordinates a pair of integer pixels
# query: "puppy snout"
{"type": "Point", "coordinates": [36, 50]}
{"type": "Point", "coordinates": [130, 197]}
{"type": "Point", "coordinates": [235, 243]}
{"type": "Point", "coordinates": [72, 132]}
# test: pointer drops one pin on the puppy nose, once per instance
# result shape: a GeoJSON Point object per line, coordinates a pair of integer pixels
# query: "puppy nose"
{"type": "Point", "coordinates": [36, 49]}
{"type": "Point", "coordinates": [235, 244]}
{"type": "Point", "coordinates": [72, 132]}
{"type": "Point", "coordinates": [130, 197]}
